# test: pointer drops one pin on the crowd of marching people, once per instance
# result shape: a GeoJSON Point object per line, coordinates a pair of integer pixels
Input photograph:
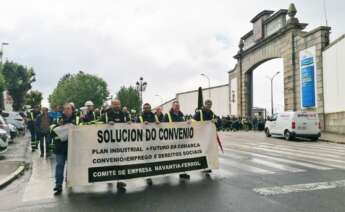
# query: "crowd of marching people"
{"type": "Point", "coordinates": [42, 123]}
{"type": "Point", "coordinates": [233, 123]}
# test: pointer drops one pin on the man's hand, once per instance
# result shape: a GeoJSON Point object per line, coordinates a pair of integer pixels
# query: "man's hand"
{"type": "Point", "coordinates": [146, 122]}
{"type": "Point", "coordinates": [189, 122]}
{"type": "Point", "coordinates": [111, 123]}
{"type": "Point", "coordinates": [214, 121]}
{"type": "Point", "coordinates": [158, 122]}
{"type": "Point", "coordinates": [129, 122]}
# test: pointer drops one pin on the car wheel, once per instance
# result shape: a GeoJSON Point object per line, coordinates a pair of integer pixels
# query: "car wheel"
{"type": "Point", "coordinates": [267, 132]}
{"type": "Point", "coordinates": [287, 135]}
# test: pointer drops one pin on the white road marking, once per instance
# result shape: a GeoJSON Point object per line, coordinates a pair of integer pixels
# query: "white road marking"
{"type": "Point", "coordinates": [300, 188]}
{"type": "Point", "coordinates": [263, 162]}
{"type": "Point", "coordinates": [315, 159]}
{"type": "Point", "coordinates": [304, 155]}
{"type": "Point", "coordinates": [276, 165]}
{"type": "Point", "coordinates": [245, 167]}
{"type": "Point", "coordinates": [299, 163]}
{"type": "Point", "coordinates": [309, 152]}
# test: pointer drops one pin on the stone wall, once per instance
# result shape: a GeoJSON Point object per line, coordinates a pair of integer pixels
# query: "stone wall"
{"type": "Point", "coordinates": [335, 122]}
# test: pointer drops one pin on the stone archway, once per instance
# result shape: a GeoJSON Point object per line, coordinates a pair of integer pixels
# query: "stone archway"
{"type": "Point", "coordinates": [277, 35]}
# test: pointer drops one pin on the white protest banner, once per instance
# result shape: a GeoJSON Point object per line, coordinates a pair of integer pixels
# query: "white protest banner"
{"type": "Point", "coordinates": [105, 153]}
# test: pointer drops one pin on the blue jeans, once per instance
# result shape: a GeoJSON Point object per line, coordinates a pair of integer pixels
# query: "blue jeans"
{"type": "Point", "coordinates": [60, 168]}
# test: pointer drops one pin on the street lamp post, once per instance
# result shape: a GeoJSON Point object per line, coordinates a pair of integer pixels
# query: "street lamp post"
{"type": "Point", "coordinates": [2, 50]}
{"type": "Point", "coordinates": [141, 87]}
{"type": "Point", "coordinates": [209, 85]}
{"type": "Point", "coordinates": [271, 79]}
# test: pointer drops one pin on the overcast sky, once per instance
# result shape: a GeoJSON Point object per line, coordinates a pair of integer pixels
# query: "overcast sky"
{"type": "Point", "coordinates": [167, 42]}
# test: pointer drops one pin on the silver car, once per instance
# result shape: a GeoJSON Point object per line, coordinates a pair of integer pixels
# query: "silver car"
{"type": "Point", "coordinates": [3, 141]}
{"type": "Point", "coordinates": [15, 119]}
{"type": "Point", "coordinates": [4, 126]}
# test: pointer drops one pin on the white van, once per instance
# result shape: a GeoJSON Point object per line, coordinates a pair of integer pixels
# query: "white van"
{"type": "Point", "coordinates": [294, 124]}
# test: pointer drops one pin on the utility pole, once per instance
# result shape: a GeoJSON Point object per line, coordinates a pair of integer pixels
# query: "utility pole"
{"type": "Point", "coordinates": [271, 79]}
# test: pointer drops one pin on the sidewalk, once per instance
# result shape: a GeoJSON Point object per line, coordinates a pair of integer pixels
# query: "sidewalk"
{"type": "Point", "coordinates": [332, 137]}
{"type": "Point", "coordinates": [14, 161]}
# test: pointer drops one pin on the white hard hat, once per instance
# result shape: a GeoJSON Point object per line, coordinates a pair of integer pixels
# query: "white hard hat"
{"type": "Point", "coordinates": [88, 103]}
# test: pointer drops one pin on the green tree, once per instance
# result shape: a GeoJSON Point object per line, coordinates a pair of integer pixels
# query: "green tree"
{"type": "Point", "coordinates": [33, 98]}
{"type": "Point", "coordinates": [79, 88]}
{"type": "Point", "coordinates": [129, 97]}
{"type": "Point", "coordinates": [18, 80]}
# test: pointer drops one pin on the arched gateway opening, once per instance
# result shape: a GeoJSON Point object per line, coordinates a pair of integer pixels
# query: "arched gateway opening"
{"type": "Point", "coordinates": [267, 95]}
{"type": "Point", "coordinates": [279, 35]}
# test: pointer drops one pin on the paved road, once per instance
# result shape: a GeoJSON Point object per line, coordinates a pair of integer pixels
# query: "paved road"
{"type": "Point", "coordinates": [256, 174]}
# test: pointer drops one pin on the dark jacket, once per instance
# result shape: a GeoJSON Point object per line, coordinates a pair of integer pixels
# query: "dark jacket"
{"type": "Point", "coordinates": [160, 117]}
{"type": "Point", "coordinates": [31, 117]}
{"type": "Point", "coordinates": [38, 123]}
{"type": "Point", "coordinates": [62, 147]}
{"type": "Point", "coordinates": [114, 116]}
{"type": "Point", "coordinates": [147, 116]}
{"type": "Point", "coordinates": [89, 117]}
{"type": "Point", "coordinates": [179, 117]}
{"type": "Point", "coordinates": [207, 115]}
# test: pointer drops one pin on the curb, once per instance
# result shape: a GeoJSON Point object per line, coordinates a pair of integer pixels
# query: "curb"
{"type": "Point", "coordinates": [20, 170]}
{"type": "Point", "coordinates": [330, 141]}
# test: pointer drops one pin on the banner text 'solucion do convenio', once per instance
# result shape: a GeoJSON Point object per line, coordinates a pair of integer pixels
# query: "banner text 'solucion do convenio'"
{"type": "Point", "coordinates": [105, 153]}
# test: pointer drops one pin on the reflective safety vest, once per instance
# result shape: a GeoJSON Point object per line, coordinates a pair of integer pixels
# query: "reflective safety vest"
{"type": "Point", "coordinates": [32, 115]}
{"type": "Point", "coordinates": [51, 127]}
{"type": "Point", "coordinates": [169, 117]}
{"type": "Point", "coordinates": [106, 117]}
{"type": "Point", "coordinates": [156, 118]}
{"type": "Point", "coordinates": [141, 119]}
{"type": "Point", "coordinates": [77, 120]}
{"type": "Point", "coordinates": [129, 117]}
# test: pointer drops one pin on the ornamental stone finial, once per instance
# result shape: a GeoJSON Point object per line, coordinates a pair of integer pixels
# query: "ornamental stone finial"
{"type": "Point", "coordinates": [292, 10]}
{"type": "Point", "coordinates": [292, 13]}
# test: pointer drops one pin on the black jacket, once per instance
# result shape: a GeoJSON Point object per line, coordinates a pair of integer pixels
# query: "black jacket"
{"type": "Point", "coordinates": [179, 117]}
{"type": "Point", "coordinates": [147, 116]}
{"type": "Point", "coordinates": [31, 117]}
{"type": "Point", "coordinates": [160, 117]}
{"type": "Point", "coordinates": [114, 116]}
{"type": "Point", "coordinates": [62, 147]}
{"type": "Point", "coordinates": [207, 115]}
{"type": "Point", "coordinates": [89, 116]}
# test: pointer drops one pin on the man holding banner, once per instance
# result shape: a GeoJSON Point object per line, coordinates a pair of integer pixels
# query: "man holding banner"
{"type": "Point", "coordinates": [205, 114]}
{"type": "Point", "coordinates": [148, 117]}
{"type": "Point", "coordinates": [61, 146]}
{"type": "Point", "coordinates": [115, 115]}
{"type": "Point", "coordinates": [175, 115]}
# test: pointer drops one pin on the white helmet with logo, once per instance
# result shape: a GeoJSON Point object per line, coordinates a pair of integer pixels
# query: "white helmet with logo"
{"type": "Point", "coordinates": [88, 103]}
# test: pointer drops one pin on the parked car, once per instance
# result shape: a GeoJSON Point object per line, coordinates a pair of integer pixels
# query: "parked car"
{"type": "Point", "coordinates": [6, 127]}
{"type": "Point", "coordinates": [15, 119]}
{"type": "Point", "coordinates": [3, 141]}
{"type": "Point", "coordinates": [13, 131]}
{"type": "Point", "coordinates": [294, 124]}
